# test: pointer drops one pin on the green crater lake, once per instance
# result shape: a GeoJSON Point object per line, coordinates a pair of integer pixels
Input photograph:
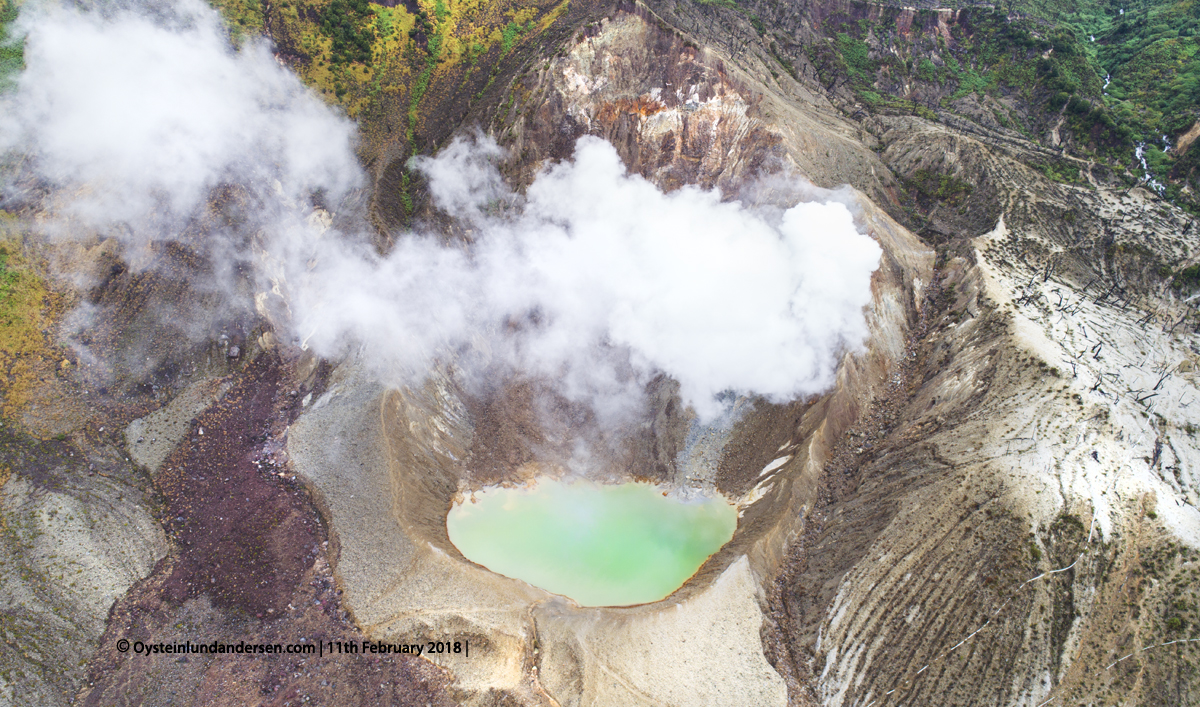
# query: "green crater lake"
{"type": "Point", "coordinates": [599, 544]}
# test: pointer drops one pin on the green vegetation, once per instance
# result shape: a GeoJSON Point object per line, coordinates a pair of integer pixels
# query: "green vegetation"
{"type": "Point", "coordinates": [1149, 49]}
{"type": "Point", "coordinates": [393, 69]}
{"type": "Point", "coordinates": [969, 81]}
{"type": "Point", "coordinates": [18, 290]}
{"type": "Point", "coordinates": [849, 57]}
{"type": "Point", "coordinates": [422, 27]}
{"type": "Point", "coordinates": [421, 85]}
{"type": "Point", "coordinates": [385, 22]}
{"type": "Point", "coordinates": [1151, 52]}
{"type": "Point", "coordinates": [856, 54]}
{"type": "Point", "coordinates": [993, 55]}
{"type": "Point", "coordinates": [940, 186]}
{"type": "Point", "coordinates": [1068, 524]}
{"type": "Point", "coordinates": [24, 355]}
{"type": "Point", "coordinates": [787, 65]}
{"type": "Point", "coordinates": [8, 281]}
{"type": "Point", "coordinates": [1187, 281]}
{"type": "Point", "coordinates": [243, 17]}
{"type": "Point", "coordinates": [12, 52]}
{"type": "Point", "coordinates": [1061, 171]}
{"type": "Point", "coordinates": [406, 194]}
{"type": "Point", "coordinates": [384, 64]}
{"type": "Point", "coordinates": [348, 23]}
{"type": "Point", "coordinates": [926, 71]}
{"type": "Point", "coordinates": [509, 35]}
{"type": "Point", "coordinates": [1106, 80]}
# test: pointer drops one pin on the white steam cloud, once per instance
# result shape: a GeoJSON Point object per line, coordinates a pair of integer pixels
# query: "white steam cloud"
{"type": "Point", "coordinates": [608, 270]}
{"type": "Point", "coordinates": [145, 113]}
{"type": "Point", "coordinates": [594, 278]}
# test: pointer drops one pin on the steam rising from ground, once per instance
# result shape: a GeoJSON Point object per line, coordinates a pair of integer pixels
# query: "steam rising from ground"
{"type": "Point", "coordinates": [139, 115]}
{"type": "Point", "coordinates": [601, 268]}
{"type": "Point", "coordinates": [593, 278]}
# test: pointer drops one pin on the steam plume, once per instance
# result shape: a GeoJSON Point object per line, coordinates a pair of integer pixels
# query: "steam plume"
{"type": "Point", "coordinates": [593, 278]}
{"type": "Point", "coordinates": [139, 115]}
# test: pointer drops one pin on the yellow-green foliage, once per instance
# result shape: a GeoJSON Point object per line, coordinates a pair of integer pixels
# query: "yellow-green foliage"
{"type": "Point", "coordinates": [242, 16]}
{"type": "Point", "coordinates": [412, 55]}
{"type": "Point", "coordinates": [23, 349]}
{"type": "Point", "coordinates": [550, 17]}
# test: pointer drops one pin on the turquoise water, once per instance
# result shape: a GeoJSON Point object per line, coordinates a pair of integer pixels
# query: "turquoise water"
{"type": "Point", "coordinates": [601, 545]}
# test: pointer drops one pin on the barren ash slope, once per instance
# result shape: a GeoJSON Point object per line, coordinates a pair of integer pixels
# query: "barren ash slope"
{"type": "Point", "coordinates": [993, 503]}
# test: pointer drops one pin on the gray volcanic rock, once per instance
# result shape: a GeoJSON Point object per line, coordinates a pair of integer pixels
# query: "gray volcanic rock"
{"type": "Point", "coordinates": [74, 536]}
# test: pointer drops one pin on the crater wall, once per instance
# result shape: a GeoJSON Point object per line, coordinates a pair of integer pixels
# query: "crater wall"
{"type": "Point", "coordinates": [404, 455]}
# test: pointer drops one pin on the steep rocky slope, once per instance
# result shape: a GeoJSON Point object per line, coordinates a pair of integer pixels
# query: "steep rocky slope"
{"type": "Point", "coordinates": [996, 504]}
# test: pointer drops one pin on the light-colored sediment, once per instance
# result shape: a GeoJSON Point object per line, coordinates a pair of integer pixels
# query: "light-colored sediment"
{"type": "Point", "coordinates": [995, 504]}
{"type": "Point", "coordinates": [151, 439]}
{"type": "Point", "coordinates": [399, 585]}
{"type": "Point", "coordinates": [1058, 453]}
{"type": "Point", "coordinates": [386, 466]}
{"type": "Point", "coordinates": [404, 582]}
{"type": "Point", "coordinates": [687, 652]}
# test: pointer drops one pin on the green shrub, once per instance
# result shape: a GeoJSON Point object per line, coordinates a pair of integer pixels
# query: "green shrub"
{"type": "Point", "coordinates": [12, 54]}
{"type": "Point", "coordinates": [926, 71]}
{"type": "Point", "coordinates": [940, 186]}
{"type": "Point", "coordinates": [856, 54]}
{"type": "Point", "coordinates": [1078, 106]}
{"type": "Point", "coordinates": [346, 22]}
{"type": "Point", "coordinates": [1187, 280]}
{"type": "Point", "coordinates": [508, 36]}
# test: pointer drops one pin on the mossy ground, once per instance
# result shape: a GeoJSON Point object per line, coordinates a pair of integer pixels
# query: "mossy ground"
{"type": "Point", "coordinates": [27, 309]}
